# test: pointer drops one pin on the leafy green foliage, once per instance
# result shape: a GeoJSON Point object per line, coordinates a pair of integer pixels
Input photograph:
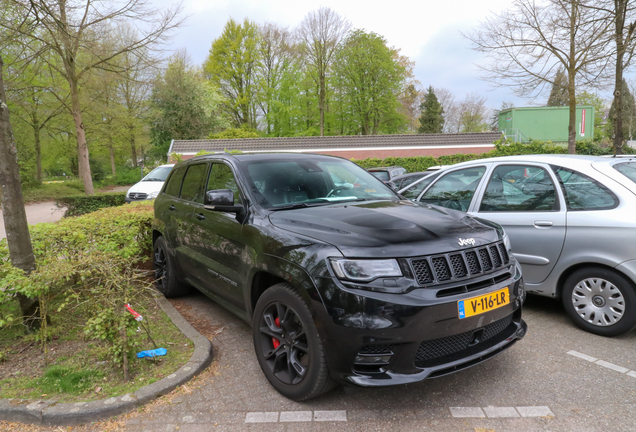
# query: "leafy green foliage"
{"type": "Point", "coordinates": [369, 80]}
{"type": "Point", "coordinates": [86, 262]}
{"type": "Point", "coordinates": [233, 133]}
{"type": "Point", "coordinates": [81, 204]}
{"type": "Point", "coordinates": [232, 66]}
{"type": "Point", "coordinates": [184, 106]}
{"type": "Point", "coordinates": [432, 118]}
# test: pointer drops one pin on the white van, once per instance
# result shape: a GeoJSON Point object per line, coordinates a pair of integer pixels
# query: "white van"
{"type": "Point", "coordinates": [149, 186]}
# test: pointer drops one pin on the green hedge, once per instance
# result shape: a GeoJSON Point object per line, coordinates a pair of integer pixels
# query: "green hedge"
{"type": "Point", "coordinates": [502, 148]}
{"type": "Point", "coordinates": [81, 204]}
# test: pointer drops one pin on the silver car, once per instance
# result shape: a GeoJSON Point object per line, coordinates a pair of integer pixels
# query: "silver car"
{"type": "Point", "coordinates": [571, 221]}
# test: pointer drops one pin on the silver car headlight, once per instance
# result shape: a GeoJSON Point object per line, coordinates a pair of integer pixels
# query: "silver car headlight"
{"type": "Point", "coordinates": [152, 195]}
{"type": "Point", "coordinates": [365, 270]}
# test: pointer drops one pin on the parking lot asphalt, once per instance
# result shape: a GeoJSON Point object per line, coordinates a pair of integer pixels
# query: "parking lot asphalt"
{"type": "Point", "coordinates": [558, 378]}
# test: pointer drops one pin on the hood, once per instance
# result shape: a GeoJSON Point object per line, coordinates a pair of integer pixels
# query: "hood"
{"type": "Point", "coordinates": [389, 229]}
{"type": "Point", "coordinates": [145, 187]}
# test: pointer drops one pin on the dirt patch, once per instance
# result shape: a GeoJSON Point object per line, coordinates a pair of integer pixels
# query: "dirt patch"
{"type": "Point", "coordinates": [199, 322]}
{"type": "Point", "coordinates": [27, 359]}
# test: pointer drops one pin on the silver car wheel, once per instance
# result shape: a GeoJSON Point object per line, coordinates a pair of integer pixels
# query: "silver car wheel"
{"type": "Point", "coordinates": [598, 301]}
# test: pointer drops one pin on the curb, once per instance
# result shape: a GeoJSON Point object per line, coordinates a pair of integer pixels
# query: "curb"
{"type": "Point", "coordinates": [50, 413]}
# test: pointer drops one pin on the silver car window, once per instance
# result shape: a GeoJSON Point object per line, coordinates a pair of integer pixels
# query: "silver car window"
{"type": "Point", "coordinates": [455, 190]}
{"type": "Point", "coordinates": [417, 188]}
{"type": "Point", "coordinates": [583, 192]}
{"type": "Point", "coordinates": [519, 188]}
{"type": "Point", "coordinates": [628, 169]}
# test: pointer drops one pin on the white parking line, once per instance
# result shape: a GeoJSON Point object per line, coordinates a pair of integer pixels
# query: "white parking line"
{"type": "Point", "coordinates": [464, 412]}
{"type": "Point", "coordinates": [603, 363]}
{"type": "Point", "coordinates": [261, 417]}
{"type": "Point", "coordinates": [295, 416]}
{"type": "Point", "coordinates": [501, 412]}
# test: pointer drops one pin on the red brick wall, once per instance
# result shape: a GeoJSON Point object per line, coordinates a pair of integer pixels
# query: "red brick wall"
{"type": "Point", "coordinates": [382, 154]}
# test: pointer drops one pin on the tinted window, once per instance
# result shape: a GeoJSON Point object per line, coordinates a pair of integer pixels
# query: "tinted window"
{"type": "Point", "coordinates": [221, 177]}
{"type": "Point", "coordinates": [628, 169]}
{"type": "Point", "coordinates": [414, 191]}
{"type": "Point", "coordinates": [313, 182]}
{"type": "Point", "coordinates": [192, 189]}
{"type": "Point", "coordinates": [519, 188]}
{"type": "Point", "coordinates": [455, 190]}
{"type": "Point", "coordinates": [584, 193]}
{"type": "Point", "coordinates": [382, 175]}
{"type": "Point", "coordinates": [174, 183]}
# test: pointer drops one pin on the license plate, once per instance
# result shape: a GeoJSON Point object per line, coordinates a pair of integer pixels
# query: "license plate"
{"type": "Point", "coordinates": [478, 305]}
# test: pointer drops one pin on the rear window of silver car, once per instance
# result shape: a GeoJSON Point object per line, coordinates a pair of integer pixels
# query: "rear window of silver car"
{"type": "Point", "coordinates": [628, 169]}
{"type": "Point", "coordinates": [583, 192]}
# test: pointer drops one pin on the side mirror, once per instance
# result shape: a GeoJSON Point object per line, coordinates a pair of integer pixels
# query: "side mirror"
{"type": "Point", "coordinates": [221, 200]}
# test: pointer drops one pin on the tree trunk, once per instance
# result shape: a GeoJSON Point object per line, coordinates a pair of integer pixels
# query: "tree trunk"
{"type": "Point", "coordinates": [13, 213]}
{"type": "Point", "coordinates": [321, 103]}
{"type": "Point", "coordinates": [112, 157]}
{"type": "Point", "coordinates": [133, 147]}
{"type": "Point", "coordinates": [618, 82]}
{"type": "Point", "coordinates": [571, 82]}
{"type": "Point", "coordinates": [82, 148]}
{"type": "Point", "coordinates": [38, 151]}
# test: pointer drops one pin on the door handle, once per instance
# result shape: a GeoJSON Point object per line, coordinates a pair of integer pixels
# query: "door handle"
{"type": "Point", "coordinates": [172, 207]}
{"type": "Point", "coordinates": [200, 216]}
{"type": "Point", "coordinates": [543, 224]}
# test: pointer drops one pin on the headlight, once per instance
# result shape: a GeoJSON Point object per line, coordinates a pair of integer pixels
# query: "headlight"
{"type": "Point", "coordinates": [365, 270]}
{"type": "Point", "coordinates": [152, 195]}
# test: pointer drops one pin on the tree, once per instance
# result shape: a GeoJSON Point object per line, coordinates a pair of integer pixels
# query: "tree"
{"type": "Point", "coordinates": [320, 34]}
{"type": "Point", "coordinates": [432, 118]}
{"type": "Point", "coordinates": [184, 105]}
{"type": "Point", "coordinates": [494, 120]}
{"type": "Point", "coordinates": [591, 98]}
{"type": "Point", "coordinates": [473, 114]}
{"type": "Point", "coordinates": [232, 67]}
{"type": "Point", "coordinates": [66, 35]}
{"type": "Point", "coordinates": [627, 117]}
{"type": "Point", "coordinates": [13, 213]}
{"type": "Point", "coordinates": [450, 107]}
{"type": "Point", "coordinates": [277, 54]}
{"type": "Point", "coordinates": [621, 15]}
{"type": "Point", "coordinates": [559, 93]}
{"type": "Point", "coordinates": [370, 78]}
{"type": "Point", "coordinates": [531, 41]}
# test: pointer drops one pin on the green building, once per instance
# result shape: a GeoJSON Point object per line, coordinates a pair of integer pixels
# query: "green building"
{"type": "Point", "coordinates": [546, 123]}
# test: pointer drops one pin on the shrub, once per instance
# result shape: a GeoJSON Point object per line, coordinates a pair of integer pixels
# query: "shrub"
{"type": "Point", "coordinates": [502, 148]}
{"type": "Point", "coordinates": [81, 204]}
{"type": "Point", "coordinates": [88, 263]}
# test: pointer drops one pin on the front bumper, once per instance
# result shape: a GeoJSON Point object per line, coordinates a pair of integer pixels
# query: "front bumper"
{"type": "Point", "coordinates": [413, 336]}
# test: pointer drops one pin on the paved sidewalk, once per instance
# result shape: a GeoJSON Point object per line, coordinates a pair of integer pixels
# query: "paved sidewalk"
{"type": "Point", "coordinates": [47, 211]}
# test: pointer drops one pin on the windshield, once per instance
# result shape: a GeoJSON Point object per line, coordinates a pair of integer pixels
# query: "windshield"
{"type": "Point", "coordinates": [302, 183]}
{"type": "Point", "coordinates": [382, 175]}
{"type": "Point", "coordinates": [158, 174]}
{"type": "Point", "coordinates": [628, 169]}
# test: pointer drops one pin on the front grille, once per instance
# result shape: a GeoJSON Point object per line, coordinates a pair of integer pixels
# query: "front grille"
{"type": "Point", "coordinates": [458, 265]}
{"type": "Point", "coordinates": [436, 348]}
{"type": "Point", "coordinates": [137, 196]}
{"type": "Point", "coordinates": [377, 349]}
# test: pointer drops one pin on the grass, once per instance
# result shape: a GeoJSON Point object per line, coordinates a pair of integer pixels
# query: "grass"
{"type": "Point", "coordinates": [52, 191]}
{"type": "Point", "coordinates": [81, 370]}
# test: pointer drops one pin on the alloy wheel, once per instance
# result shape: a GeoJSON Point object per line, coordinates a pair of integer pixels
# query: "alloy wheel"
{"type": "Point", "coordinates": [598, 302]}
{"type": "Point", "coordinates": [160, 267]}
{"type": "Point", "coordinates": [284, 343]}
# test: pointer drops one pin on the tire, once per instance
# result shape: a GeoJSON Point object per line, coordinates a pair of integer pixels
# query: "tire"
{"type": "Point", "coordinates": [600, 301]}
{"type": "Point", "coordinates": [297, 367]}
{"type": "Point", "coordinates": [166, 279]}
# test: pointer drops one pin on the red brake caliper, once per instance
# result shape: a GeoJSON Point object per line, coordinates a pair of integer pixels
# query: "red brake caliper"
{"type": "Point", "coordinates": [275, 341]}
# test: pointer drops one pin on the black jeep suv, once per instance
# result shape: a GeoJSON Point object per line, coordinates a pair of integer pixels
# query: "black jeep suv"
{"type": "Point", "coordinates": [341, 281]}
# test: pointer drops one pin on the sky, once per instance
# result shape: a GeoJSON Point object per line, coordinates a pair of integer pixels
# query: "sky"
{"type": "Point", "coordinates": [429, 32]}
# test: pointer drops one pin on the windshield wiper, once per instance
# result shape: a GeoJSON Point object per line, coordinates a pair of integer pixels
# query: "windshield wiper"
{"type": "Point", "coordinates": [153, 179]}
{"type": "Point", "coordinates": [290, 207]}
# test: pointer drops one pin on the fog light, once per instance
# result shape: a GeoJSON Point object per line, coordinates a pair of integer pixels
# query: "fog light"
{"type": "Point", "coordinates": [372, 360]}
{"type": "Point", "coordinates": [520, 332]}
